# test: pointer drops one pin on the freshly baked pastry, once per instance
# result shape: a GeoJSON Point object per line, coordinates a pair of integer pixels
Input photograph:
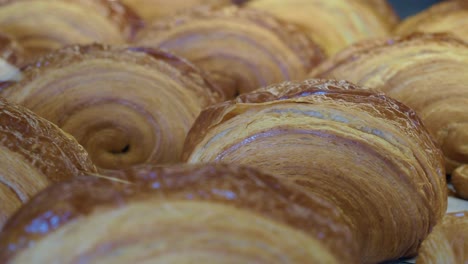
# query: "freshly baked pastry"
{"type": "Point", "coordinates": [33, 154]}
{"type": "Point", "coordinates": [43, 25]}
{"type": "Point", "coordinates": [333, 24]}
{"type": "Point", "coordinates": [447, 242]}
{"type": "Point", "coordinates": [181, 214]}
{"type": "Point", "coordinates": [11, 57]}
{"type": "Point", "coordinates": [240, 49]}
{"type": "Point", "coordinates": [426, 72]}
{"type": "Point", "coordinates": [368, 155]}
{"type": "Point", "coordinates": [460, 181]}
{"type": "Point", "coordinates": [446, 16]}
{"type": "Point", "coordinates": [124, 105]}
{"type": "Point", "coordinates": [157, 9]}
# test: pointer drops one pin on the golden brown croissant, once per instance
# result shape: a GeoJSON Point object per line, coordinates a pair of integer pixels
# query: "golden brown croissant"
{"type": "Point", "coordinates": [367, 154]}
{"type": "Point", "coordinates": [157, 9]}
{"type": "Point", "coordinates": [182, 214]}
{"type": "Point", "coordinates": [33, 154]}
{"type": "Point", "coordinates": [124, 105]}
{"type": "Point", "coordinates": [446, 16]}
{"type": "Point", "coordinates": [43, 25]}
{"type": "Point", "coordinates": [460, 181]}
{"type": "Point", "coordinates": [425, 71]}
{"type": "Point", "coordinates": [240, 49]}
{"type": "Point", "coordinates": [334, 24]}
{"type": "Point", "coordinates": [448, 241]}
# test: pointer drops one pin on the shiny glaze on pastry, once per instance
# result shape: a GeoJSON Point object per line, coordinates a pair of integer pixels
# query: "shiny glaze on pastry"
{"type": "Point", "coordinates": [426, 72]}
{"type": "Point", "coordinates": [460, 181]}
{"type": "Point", "coordinates": [446, 16]}
{"type": "Point", "coordinates": [333, 24]}
{"type": "Point", "coordinates": [180, 214]}
{"type": "Point", "coordinates": [44, 25]}
{"type": "Point", "coordinates": [124, 105]}
{"type": "Point", "coordinates": [447, 243]}
{"type": "Point", "coordinates": [157, 9]}
{"type": "Point", "coordinates": [367, 154]}
{"type": "Point", "coordinates": [240, 49]}
{"type": "Point", "coordinates": [33, 154]}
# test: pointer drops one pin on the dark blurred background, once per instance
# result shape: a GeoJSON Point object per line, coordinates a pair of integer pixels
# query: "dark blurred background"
{"type": "Point", "coordinates": [409, 7]}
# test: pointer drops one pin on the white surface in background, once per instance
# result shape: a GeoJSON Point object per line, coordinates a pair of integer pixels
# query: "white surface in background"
{"type": "Point", "coordinates": [8, 72]}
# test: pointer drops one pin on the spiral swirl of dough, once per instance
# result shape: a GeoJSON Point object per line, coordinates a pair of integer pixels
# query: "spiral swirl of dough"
{"type": "Point", "coordinates": [333, 24]}
{"type": "Point", "coordinates": [427, 72]}
{"type": "Point", "coordinates": [240, 49]}
{"type": "Point", "coordinates": [356, 148]}
{"type": "Point", "coordinates": [124, 105]}
{"type": "Point", "coordinates": [447, 16]}
{"type": "Point", "coordinates": [40, 26]}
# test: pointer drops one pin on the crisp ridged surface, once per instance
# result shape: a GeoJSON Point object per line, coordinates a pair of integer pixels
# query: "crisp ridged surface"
{"type": "Point", "coordinates": [202, 213]}
{"type": "Point", "coordinates": [448, 241]}
{"type": "Point", "coordinates": [241, 49]}
{"type": "Point", "coordinates": [446, 16]}
{"type": "Point", "coordinates": [426, 72]}
{"type": "Point", "coordinates": [460, 181]}
{"type": "Point", "coordinates": [33, 154]}
{"type": "Point", "coordinates": [43, 25]}
{"type": "Point", "coordinates": [157, 9]}
{"type": "Point", "coordinates": [358, 149]}
{"type": "Point", "coordinates": [334, 24]}
{"type": "Point", "coordinates": [124, 105]}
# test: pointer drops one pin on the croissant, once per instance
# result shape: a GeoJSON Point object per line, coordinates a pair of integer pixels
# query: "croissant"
{"type": "Point", "coordinates": [240, 49]}
{"type": "Point", "coordinates": [191, 214]}
{"type": "Point", "coordinates": [124, 105]}
{"type": "Point", "coordinates": [334, 24]}
{"type": "Point", "coordinates": [33, 154]}
{"type": "Point", "coordinates": [43, 25]}
{"type": "Point", "coordinates": [11, 56]}
{"type": "Point", "coordinates": [424, 71]}
{"type": "Point", "coordinates": [460, 181]}
{"type": "Point", "coordinates": [357, 149]}
{"type": "Point", "coordinates": [157, 9]}
{"type": "Point", "coordinates": [447, 242]}
{"type": "Point", "coordinates": [446, 16]}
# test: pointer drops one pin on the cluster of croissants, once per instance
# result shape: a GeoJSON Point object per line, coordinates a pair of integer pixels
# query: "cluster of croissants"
{"type": "Point", "coordinates": [222, 131]}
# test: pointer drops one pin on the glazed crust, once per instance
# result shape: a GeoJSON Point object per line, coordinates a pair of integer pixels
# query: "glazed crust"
{"type": "Point", "coordinates": [447, 242]}
{"type": "Point", "coordinates": [156, 95]}
{"type": "Point", "coordinates": [283, 52]}
{"type": "Point", "coordinates": [229, 186]}
{"type": "Point", "coordinates": [446, 16]}
{"type": "Point", "coordinates": [335, 140]}
{"type": "Point", "coordinates": [35, 153]}
{"type": "Point", "coordinates": [333, 24]}
{"type": "Point", "coordinates": [402, 63]}
{"type": "Point", "coordinates": [74, 22]}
